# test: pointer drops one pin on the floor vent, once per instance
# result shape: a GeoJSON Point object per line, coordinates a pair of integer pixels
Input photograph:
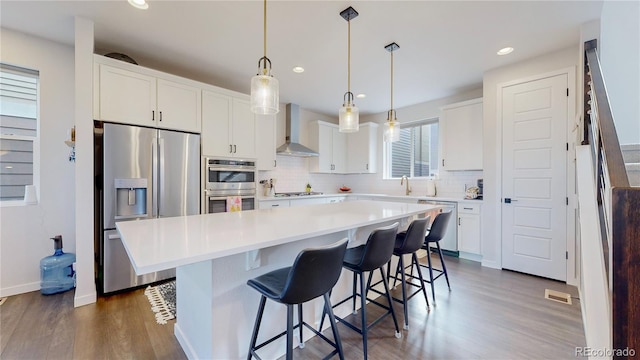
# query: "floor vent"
{"type": "Point", "coordinates": [2, 300]}
{"type": "Point", "coordinates": [557, 296]}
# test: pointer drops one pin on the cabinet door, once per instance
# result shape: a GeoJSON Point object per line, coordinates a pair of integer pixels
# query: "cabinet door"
{"type": "Point", "coordinates": [266, 141]}
{"type": "Point", "coordinates": [469, 233]}
{"type": "Point", "coordinates": [243, 130]}
{"type": "Point", "coordinates": [339, 152]}
{"type": "Point", "coordinates": [462, 136]}
{"type": "Point", "coordinates": [127, 97]}
{"type": "Point", "coordinates": [362, 147]}
{"type": "Point", "coordinates": [178, 106]}
{"type": "Point", "coordinates": [325, 148]}
{"type": "Point", "coordinates": [216, 115]}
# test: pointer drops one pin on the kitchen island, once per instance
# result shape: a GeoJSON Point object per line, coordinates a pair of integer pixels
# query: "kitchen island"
{"type": "Point", "coordinates": [215, 254]}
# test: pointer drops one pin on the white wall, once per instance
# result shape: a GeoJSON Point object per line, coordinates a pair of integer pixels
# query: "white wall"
{"type": "Point", "coordinates": [25, 230]}
{"type": "Point", "coordinates": [491, 227]}
{"type": "Point", "coordinates": [619, 51]}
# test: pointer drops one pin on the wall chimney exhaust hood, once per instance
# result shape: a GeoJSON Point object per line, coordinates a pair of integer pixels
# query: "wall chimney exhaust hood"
{"type": "Point", "coordinates": [292, 146]}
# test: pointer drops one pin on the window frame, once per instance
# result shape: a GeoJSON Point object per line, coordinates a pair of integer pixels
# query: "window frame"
{"type": "Point", "coordinates": [35, 139]}
{"type": "Point", "coordinates": [386, 155]}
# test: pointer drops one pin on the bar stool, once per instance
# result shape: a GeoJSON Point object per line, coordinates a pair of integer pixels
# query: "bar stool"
{"type": "Point", "coordinates": [367, 258]}
{"type": "Point", "coordinates": [314, 273]}
{"type": "Point", "coordinates": [408, 242]}
{"type": "Point", "coordinates": [436, 233]}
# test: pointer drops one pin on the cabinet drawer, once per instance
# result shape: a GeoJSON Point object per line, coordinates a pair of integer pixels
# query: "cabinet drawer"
{"type": "Point", "coordinates": [465, 208]}
{"type": "Point", "coordinates": [273, 204]}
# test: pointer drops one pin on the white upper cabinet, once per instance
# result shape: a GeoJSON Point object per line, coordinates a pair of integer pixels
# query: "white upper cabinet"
{"type": "Point", "coordinates": [129, 94]}
{"type": "Point", "coordinates": [228, 126]}
{"type": "Point", "coordinates": [331, 146]}
{"type": "Point", "coordinates": [461, 127]}
{"type": "Point", "coordinates": [362, 149]}
{"type": "Point", "coordinates": [126, 97]}
{"type": "Point", "coordinates": [266, 141]}
{"type": "Point", "coordinates": [178, 106]}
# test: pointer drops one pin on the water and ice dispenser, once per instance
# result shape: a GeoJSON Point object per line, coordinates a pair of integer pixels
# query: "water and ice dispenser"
{"type": "Point", "coordinates": [131, 198]}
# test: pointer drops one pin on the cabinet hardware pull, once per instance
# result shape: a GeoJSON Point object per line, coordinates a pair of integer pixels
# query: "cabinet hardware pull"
{"type": "Point", "coordinates": [234, 149]}
{"type": "Point", "coordinates": [160, 115]}
{"type": "Point", "coordinates": [230, 148]}
{"type": "Point", "coordinates": [459, 219]}
{"type": "Point", "coordinates": [468, 208]}
{"type": "Point", "coordinates": [275, 205]}
{"type": "Point", "coordinates": [367, 167]}
{"type": "Point", "coordinates": [153, 115]}
{"type": "Point", "coordinates": [275, 163]}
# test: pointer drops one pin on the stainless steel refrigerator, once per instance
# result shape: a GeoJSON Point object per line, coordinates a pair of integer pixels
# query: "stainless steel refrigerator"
{"type": "Point", "coordinates": [140, 173]}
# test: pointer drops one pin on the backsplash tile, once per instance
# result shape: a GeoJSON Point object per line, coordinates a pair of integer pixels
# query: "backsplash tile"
{"type": "Point", "coordinates": [292, 174]}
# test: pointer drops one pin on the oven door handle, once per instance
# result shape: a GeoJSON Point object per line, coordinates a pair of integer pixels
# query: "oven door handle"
{"type": "Point", "coordinates": [224, 197]}
{"type": "Point", "coordinates": [234, 169]}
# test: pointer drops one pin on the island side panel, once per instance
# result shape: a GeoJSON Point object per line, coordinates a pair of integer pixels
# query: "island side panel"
{"type": "Point", "coordinates": [194, 311]}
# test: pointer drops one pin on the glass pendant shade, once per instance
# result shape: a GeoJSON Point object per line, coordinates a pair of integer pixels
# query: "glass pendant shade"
{"type": "Point", "coordinates": [265, 98]}
{"type": "Point", "coordinates": [349, 118]}
{"type": "Point", "coordinates": [391, 131]}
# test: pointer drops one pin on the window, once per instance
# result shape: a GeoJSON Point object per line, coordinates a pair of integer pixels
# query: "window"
{"type": "Point", "coordinates": [416, 153]}
{"type": "Point", "coordinates": [18, 129]}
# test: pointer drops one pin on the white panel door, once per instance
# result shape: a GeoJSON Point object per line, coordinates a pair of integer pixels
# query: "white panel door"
{"type": "Point", "coordinates": [339, 151]}
{"type": "Point", "coordinates": [534, 179]}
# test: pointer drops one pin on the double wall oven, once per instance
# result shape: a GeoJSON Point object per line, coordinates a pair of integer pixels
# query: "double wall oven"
{"type": "Point", "coordinates": [225, 178]}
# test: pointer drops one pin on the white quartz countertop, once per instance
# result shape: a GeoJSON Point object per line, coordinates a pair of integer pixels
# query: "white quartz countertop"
{"type": "Point", "coordinates": [385, 197]}
{"type": "Point", "coordinates": [165, 243]}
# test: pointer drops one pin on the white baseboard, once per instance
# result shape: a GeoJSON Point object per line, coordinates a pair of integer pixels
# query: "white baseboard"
{"type": "Point", "coordinates": [82, 300]}
{"type": "Point", "coordinates": [470, 256]}
{"type": "Point", "coordinates": [19, 289]}
{"type": "Point", "coordinates": [491, 264]}
{"type": "Point", "coordinates": [184, 342]}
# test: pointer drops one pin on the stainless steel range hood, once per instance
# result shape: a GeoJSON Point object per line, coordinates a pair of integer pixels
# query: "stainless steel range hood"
{"type": "Point", "coordinates": [292, 146]}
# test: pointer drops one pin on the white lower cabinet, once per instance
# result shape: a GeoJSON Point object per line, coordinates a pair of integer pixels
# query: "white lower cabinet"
{"type": "Point", "coordinates": [469, 229]}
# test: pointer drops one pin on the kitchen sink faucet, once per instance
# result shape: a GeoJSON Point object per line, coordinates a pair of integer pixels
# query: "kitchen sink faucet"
{"type": "Point", "coordinates": [402, 180]}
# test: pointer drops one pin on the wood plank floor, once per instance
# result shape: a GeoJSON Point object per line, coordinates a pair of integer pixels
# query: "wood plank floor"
{"type": "Point", "coordinates": [489, 314]}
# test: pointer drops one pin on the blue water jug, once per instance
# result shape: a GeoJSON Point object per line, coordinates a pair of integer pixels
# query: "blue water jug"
{"type": "Point", "coordinates": [56, 271]}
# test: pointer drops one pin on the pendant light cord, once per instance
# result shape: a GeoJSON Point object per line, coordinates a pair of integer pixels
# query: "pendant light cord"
{"type": "Point", "coordinates": [265, 30]}
{"type": "Point", "coordinates": [349, 57]}
{"type": "Point", "coordinates": [391, 80]}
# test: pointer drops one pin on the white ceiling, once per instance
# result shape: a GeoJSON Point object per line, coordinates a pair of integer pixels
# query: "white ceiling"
{"type": "Point", "coordinates": [445, 46]}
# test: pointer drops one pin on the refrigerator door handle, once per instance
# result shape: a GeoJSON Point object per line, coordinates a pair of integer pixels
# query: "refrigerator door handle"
{"type": "Point", "coordinates": [154, 177]}
{"type": "Point", "coordinates": [161, 178]}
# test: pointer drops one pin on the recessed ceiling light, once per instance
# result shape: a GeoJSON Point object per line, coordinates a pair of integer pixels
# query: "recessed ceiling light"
{"type": "Point", "coordinates": [361, 96]}
{"type": "Point", "coordinates": [139, 4]}
{"type": "Point", "coordinates": [8, 167]}
{"type": "Point", "coordinates": [505, 51]}
{"type": "Point", "coordinates": [298, 69]}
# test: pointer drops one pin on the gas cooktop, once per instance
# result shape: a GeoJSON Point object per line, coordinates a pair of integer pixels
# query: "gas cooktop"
{"type": "Point", "coordinates": [294, 194]}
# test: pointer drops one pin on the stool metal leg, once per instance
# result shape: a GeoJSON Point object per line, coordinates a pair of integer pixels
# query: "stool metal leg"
{"type": "Point", "coordinates": [300, 325]}
{"type": "Point", "coordinates": [355, 280]}
{"type": "Point", "coordinates": [403, 283]}
{"type": "Point", "coordinates": [444, 267]}
{"type": "Point", "coordinates": [363, 300]}
{"type": "Point", "coordinates": [289, 355]}
{"type": "Point", "coordinates": [433, 290]}
{"type": "Point", "coordinates": [393, 314]}
{"type": "Point", "coordinates": [334, 326]}
{"type": "Point", "coordinates": [256, 327]}
{"type": "Point", "coordinates": [414, 260]}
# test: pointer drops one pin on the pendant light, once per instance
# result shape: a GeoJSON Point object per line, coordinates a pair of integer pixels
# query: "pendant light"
{"type": "Point", "coordinates": [265, 98]}
{"type": "Point", "coordinates": [392, 126]}
{"type": "Point", "coordinates": [348, 114]}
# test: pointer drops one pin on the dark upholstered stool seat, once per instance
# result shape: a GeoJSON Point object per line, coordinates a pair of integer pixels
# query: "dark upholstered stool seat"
{"type": "Point", "coordinates": [314, 273]}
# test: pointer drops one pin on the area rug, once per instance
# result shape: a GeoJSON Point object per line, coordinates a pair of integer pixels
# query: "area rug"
{"type": "Point", "coordinates": [163, 301]}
